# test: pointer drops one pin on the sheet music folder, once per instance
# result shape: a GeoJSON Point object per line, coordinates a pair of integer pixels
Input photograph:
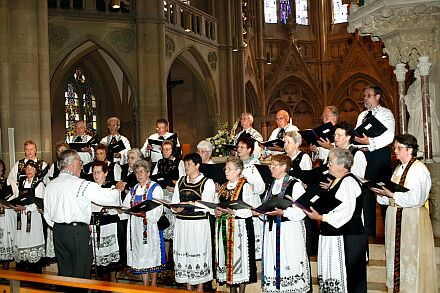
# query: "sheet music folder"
{"type": "Point", "coordinates": [273, 143]}
{"type": "Point", "coordinates": [322, 201]}
{"type": "Point", "coordinates": [371, 128]}
{"type": "Point", "coordinates": [77, 146]}
{"type": "Point", "coordinates": [313, 176]}
{"type": "Point", "coordinates": [271, 204]}
{"type": "Point", "coordinates": [388, 184]}
{"type": "Point", "coordinates": [27, 199]}
{"type": "Point", "coordinates": [145, 206]}
{"type": "Point", "coordinates": [324, 131]}
{"type": "Point", "coordinates": [233, 204]}
{"type": "Point", "coordinates": [116, 147]}
{"type": "Point", "coordinates": [216, 172]}
{"type": "Point", "coordinates": [159, 142]}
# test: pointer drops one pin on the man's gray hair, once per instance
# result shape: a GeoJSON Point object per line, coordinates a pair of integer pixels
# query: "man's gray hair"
{"type": "Point", "coordinates": [342, 157]}
{"type": "Point", "coordinates": [137, 152]}
{"type": "Point", "coordinates": [66, 158]}
{"type": "Point", "coordinates": [205, 145]}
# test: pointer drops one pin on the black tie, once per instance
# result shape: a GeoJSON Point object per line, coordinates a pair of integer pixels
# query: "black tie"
{"type": "Point", "coordinates": [78, 139]}
{"type": "Point", "coordinates": [113, 140]}
{"type": "Point", "coordinates": [369, 114]}
{"type": "Point", "coordinates": [281, 133]}
{"type": "Point", "coordinates": [161, 138]}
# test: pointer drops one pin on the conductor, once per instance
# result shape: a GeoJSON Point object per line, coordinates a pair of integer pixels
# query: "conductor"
{"type": "Point", "coordinates": [67, 208]}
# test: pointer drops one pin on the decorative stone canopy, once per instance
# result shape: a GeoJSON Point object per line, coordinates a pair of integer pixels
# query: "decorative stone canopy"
{"type": "Point", "coordinates": [408, 28]}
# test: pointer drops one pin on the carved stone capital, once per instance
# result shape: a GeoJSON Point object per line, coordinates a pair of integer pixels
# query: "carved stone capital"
{"type": "Point", "coordinates": [424, 65]}
{"type": "Point", "coordinates": [409, 29]}
{"type": "Point", "coordinates": [212, 59]}
{"type": "Point", "coordinates": [400, 71]}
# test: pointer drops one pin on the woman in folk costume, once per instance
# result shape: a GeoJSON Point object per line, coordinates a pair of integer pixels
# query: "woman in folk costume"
{"type": "Point", "coordinates": [30, 243]}
{"type": "Point", "coordinates": [192, 250]}
{"type": "Point", "coordinates": [245, 149]}
{"type": "Point", "coordinates": [8, 220]}
{"type": "Point", "coordinates": [235, 231]}
{"type": "Point", "coordinates": [285, 262]}
{"type": "Point", "coordinates": [145, 245]}
{"type": "Point", "coordinates": [409, 242]}
{"type": "Point", "coordinates": [343, 242]}
{"type": "Point", "coordinates": [106, 239]}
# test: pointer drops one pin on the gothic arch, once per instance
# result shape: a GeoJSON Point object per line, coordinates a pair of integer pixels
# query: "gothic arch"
{"type": "Point", "coordinates": [191, 108]}
{"type": "Point", "coordinates": [111, 84]}
{"type": "Point", "coordinates": [251, 99]}
{"type": "Point", "coordinates": [295, 96]}
{"type": "Point", "coordinates": [348, 97]}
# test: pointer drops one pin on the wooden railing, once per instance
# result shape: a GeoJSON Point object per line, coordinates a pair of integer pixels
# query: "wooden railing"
{"type": "Point", "coordinates": [15, 278]}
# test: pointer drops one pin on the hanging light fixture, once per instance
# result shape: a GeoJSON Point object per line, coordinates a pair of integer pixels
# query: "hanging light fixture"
{"type": "Point", "coordinates": [116, 4]}
{"type": "Point", "coordinates": [187, 22]}
{"type": "Point", "coordinates": [268, 58]}
{"type": "Point", "coordinates": [234, 44]}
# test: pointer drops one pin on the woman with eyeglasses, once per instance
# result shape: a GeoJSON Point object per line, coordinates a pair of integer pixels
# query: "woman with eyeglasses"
{"type": "Point", "coordinates": [285, 262]}
{"type": "Point", "coordinates": [145, 244]}
{"type": "Point", "coordinates": [106, 240]}
{"type": "Point", "coordinates": [409, 243]}
{"type": "Point", "coordinates": [235, 237]}
{"type": "Point", "coordinates": [342, 248]}
{"type": "Point", "coordinates": [114, 169]}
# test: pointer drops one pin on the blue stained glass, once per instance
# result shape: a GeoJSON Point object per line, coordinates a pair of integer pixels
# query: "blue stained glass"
{"type": "Point", "coordinates": [285, 10]}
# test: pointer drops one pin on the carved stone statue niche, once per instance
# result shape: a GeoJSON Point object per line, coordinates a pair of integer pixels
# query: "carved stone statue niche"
{"type": "Point", "coordinates": [413, 101]}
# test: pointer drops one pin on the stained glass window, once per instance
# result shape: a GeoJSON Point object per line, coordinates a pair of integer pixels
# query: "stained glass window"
{"type": "Point", "coordinates": [340, 12]}
{"type": "Point", "coordinates": [285, 10]}
{"type": "Point", "coordinates": [302, 13]}
{"type": "Point", "coordinates": [270, 11]}
{"type": "Point", "coordinates": [80, 102]}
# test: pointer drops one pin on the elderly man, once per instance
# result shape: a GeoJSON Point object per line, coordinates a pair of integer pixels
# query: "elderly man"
{"type": "Point", "coordinates": [154, 150]}
{"type": "Point", "coordinates": [67, 208]}
{"type": "Point", "coordinates": [113, 125]}
{"type": "Point", "coordinates": [330, 114]}
{"type": "Point", "coordinates": [283, 126]}
{"type": "Point", "coordinates": [204, 149]}
{"type": "Point", "coordinates": [81, 136]}
{"type": "Point", "coordinates": [377, 149]}
{"type": "Point", "coordinates": [247, 122]}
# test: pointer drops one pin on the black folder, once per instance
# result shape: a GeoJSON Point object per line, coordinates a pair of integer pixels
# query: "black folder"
{"type": "Point", "coordinates": [322, 201]}
{"type": "Point", "coordinates": [371, 128]}
{"type": "Point", "coordinates": [162, 181]}
{"type": "Point", "coordinates": [233, 204]}
{"type": "Point", "coordinates": [230, 147]}
{"type": "Point", "coordinates": [314, 176]}
{"type": "Point", "coordinates": [116, 147]}
{"type": "Point", "coordinates": [27, 199]}
{"type": "Point", "coordinates": [324, 131]}
{"type": "Point", "coordinates": [159, 142]}
{"type": "Point", "coordinates": [265, 173]}
{"type": "Point", "coordinates": [273, 143]}
{"type": "Point", "coordinates": [388, 184]}
{"type": "Point", "coordinates": [6, 203]}
{"type": "Point", "coordinates": [145, 206]}
{"type": "Point", "coordinates": [77, 146]}
{"type": "Point", "coordinates": [168, 204]}
{"type": "Point", "coordinates": [216, 172]}
{"type": "Point", "coordinates": [6, 192]}
{"type": "Point", "coordinates": [271, 204]}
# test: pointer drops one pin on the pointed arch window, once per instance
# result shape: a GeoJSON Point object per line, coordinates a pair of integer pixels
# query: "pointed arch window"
{"type": "Point", "coordinates": [279, 11]}
{"type": "Point", "coordinates": [340, 11]}
{"type": "Point", "coordinates": [80, 102]}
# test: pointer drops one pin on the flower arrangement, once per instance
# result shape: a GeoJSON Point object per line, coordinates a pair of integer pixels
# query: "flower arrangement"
{"type": "Point", "coordinates": [222, 137]}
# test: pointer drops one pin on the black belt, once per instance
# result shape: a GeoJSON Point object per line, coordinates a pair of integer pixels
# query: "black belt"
{"type": "Point", "coordinates": [73, 224]}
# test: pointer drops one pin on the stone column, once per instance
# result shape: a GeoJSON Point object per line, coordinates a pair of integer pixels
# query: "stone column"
{"type": "Point", "coordinates": [400, 73]}
{"type": "Point", "coordinates": [424, 66]}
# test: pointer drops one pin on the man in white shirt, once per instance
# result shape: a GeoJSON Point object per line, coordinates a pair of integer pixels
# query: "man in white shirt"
{"type": "Point", "coordinates": [67, 208]}
{"type": "Point", "coordinates": [330, 114]}
{"type": "Point", "coordinates": [376, 149]}
{"type": "Point", "coordinates": [284, 125]}
{"type": "Point", "coordinates": [81, 136]}
{"type": "Point", "coordinates": [113, 125]}
{"type": "Point", "coordinates": [154, 150]}
{"type": "Point", "coordinates": [247, 121]}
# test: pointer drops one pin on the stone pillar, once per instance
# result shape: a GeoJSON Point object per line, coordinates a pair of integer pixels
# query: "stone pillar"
{"type": "Point", "coordinates": [424, 79]}
{"type": "Point", "coordinates": [434, 198]}
{"type": "Point", "coordinates": [400, 73]}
